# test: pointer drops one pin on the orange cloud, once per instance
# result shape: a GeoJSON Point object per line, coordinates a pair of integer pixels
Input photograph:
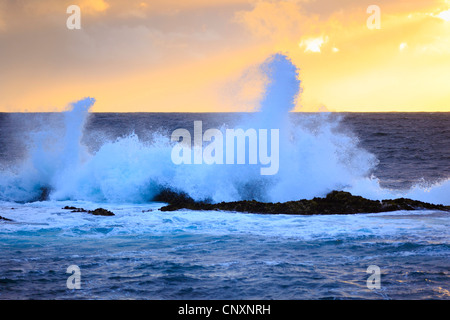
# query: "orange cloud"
{"type": "Point", "coordinates": [200, 55]}
{"type": "Point", "coordinates": [368, 73]}
{"type": "Point", "coordinates": [93, 6]}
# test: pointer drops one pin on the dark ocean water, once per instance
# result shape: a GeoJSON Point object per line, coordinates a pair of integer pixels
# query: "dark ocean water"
{"type": "Point", "coordinates": [143, 254]}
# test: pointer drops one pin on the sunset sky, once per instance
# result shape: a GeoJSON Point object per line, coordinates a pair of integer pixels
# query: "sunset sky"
{"type": "Point", "coordinates": [202, 55]}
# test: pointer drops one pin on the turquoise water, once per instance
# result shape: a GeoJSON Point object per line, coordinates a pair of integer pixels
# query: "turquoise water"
{"type": "Point", "coordinates": [220, 255]}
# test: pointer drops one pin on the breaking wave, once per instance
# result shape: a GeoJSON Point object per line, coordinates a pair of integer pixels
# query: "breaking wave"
{"type": "Point", "coordinates": [316, 157]}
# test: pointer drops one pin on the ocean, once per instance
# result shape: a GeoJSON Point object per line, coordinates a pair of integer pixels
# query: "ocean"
{"type": "Point", "coordinates": [117, 161]}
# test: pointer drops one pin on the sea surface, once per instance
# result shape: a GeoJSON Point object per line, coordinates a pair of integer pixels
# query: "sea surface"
{"type": "Point", "coordinates": [120, 161]}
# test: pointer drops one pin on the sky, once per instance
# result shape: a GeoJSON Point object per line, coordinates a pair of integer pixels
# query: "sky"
{"type": "Point", "coordinates": [203, 55]}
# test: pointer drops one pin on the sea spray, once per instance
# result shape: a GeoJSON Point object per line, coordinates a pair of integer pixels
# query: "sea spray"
{"type": "Point", "coordinates": [52, 153]}
{"type": "Point", "coordinates": [281, 92]}
{"type": "Point", "coordinates": [72, 154]}
{"type": "Point", "coordinates": [242, 179]}
{"type": "Point", "coordinates": [316, 157]}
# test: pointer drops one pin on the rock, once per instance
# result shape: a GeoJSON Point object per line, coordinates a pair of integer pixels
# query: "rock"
{"type": "Point", "coordinates": [172, 197]}
{"type": "Point", "coordinates": [96, 212]}
{"type": "Point", "coordinates": [101, 212]}
{"type": "Point", "coordinates": [336, 202]}
{"type": "Point", "coordinates": [75, 209]}
{"type": "Point", "coordinates": [45, 193]}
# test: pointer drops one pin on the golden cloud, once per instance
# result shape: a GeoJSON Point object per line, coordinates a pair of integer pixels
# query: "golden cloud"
{"type": "Point", "coordinates": [141, 55]}
{"type": "Point", "coordinates": [93, 6]}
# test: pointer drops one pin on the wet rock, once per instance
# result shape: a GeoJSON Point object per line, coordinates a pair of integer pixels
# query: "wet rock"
{"type": "Point", "coordinates": [45, 194]}
{"type": "Point", "coordinates": [74, 209]}
{"type": "Point", "coordinates": [173, 197]}
{"type": "Point", "coordinates": [101, 212]}
{"type": "Point", "coordinates": [336, 202]}
{"type": "Point", "coordinates": [96, 212]}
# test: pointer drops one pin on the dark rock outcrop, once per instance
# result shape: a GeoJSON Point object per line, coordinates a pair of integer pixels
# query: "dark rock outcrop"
{"type": "Point", "coordinates": [5, 219]}
{"type": "Point", "coordinates": [96, 212]}
{"type": "Point", "coordinates": [45, 194]}
{"type": "Point", "coordinates": [101, 212]}
{"type": "Point", "coordinates": [75, 209]}
{"type": "Point", "coordinates": [175, 198]}
{"type": "Point", "coordinates": [336, 202]}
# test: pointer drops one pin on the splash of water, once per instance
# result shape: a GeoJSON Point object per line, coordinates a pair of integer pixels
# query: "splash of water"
{"type": "Point", "coordinates": [52, 157]}
{"type": "Point", "coordinates": [316, 157]}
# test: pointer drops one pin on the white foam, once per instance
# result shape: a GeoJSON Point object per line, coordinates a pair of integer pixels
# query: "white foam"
{"type": "Point", "coordinates": [45, 217]}
{"type": "Point", "coordinates": [316, 157]}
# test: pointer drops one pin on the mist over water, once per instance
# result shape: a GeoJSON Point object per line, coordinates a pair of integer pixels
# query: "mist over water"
{"type": "Point", "coordinates": [317, 155]}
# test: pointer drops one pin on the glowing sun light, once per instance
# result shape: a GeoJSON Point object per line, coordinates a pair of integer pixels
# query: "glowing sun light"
{"type": "Point", "coordinates": [444, 15]}
{"type": "Point", "coordinates": [313, 45]}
